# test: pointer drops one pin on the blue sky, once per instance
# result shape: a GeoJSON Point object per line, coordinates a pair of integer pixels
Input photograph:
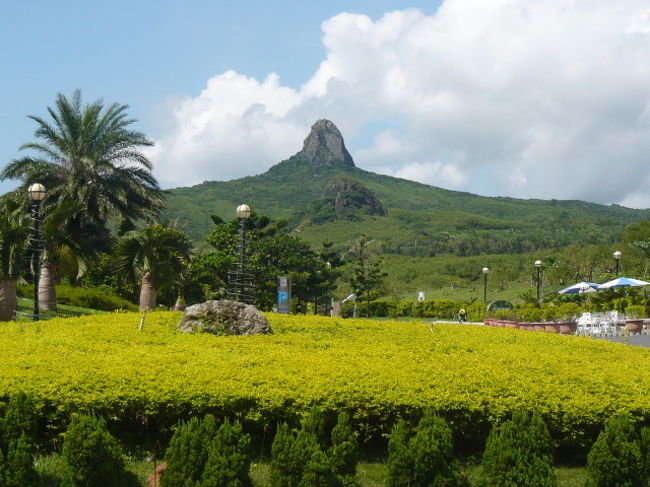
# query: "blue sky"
{"type": "Point", "coordinates": [526, 98]}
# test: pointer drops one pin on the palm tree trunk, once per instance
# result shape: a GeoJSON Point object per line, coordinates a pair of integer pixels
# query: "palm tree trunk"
{"type": "Point", "coordinates": [147, 292]}
{"type": "Point", "coordinates": [46, 289]}
{"type": "Point", "coordinates": [7, 299]}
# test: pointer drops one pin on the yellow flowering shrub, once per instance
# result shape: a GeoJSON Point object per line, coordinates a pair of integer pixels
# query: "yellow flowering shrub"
{"type": "Point", "coordinates": [377, 370]}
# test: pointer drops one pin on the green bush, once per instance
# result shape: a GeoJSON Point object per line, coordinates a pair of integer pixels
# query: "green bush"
{"type": "Point", "coordinates": [344, 453]}
{"type": "Point", "coordinates": [229, 458]}
{"type": "Point", "coordinates": [84, 297]}
{"type": "Point", "coordinates": [297, 459]}
{"type": "Point", "coordinates": [616, 458]}
{"type": "Point", "coordinates": [93, 456]}
{"type": "Point", "coordinates": [423, 457]}
{"type": "Point", "coordinates": [17, 443]}
{"type": "Point", "coordinates": [187, 453]}
{"type": "Point", "coordinates": [635, 311]}
{"type": "Point", "coordinates": [519, 452]}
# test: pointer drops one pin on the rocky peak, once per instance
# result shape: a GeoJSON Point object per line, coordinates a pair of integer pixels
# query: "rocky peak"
{"type": "Point", "coordinates": [324, 146]}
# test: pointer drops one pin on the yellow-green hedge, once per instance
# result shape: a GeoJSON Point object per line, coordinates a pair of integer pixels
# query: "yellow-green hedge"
{"type": "Point", "coordinates": [379, 370]}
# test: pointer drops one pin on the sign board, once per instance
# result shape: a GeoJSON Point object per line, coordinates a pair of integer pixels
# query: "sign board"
{"type": "Point", "coordinates": [420, 295]}
{"type": "Point", "coordinates": [284, 294]}
{"type": "Point", "coordinates": [500, 304]}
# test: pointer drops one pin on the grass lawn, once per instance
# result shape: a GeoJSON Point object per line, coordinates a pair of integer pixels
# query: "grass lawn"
{"type": "Point", "coordinates": [25, 308]}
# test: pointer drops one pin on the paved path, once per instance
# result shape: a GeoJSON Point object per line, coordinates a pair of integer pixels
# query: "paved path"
{"type": "Point", "coordinates": [638, 340]}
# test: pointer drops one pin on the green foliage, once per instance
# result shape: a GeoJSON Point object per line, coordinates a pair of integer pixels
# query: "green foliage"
{"type": "Point", "coordinates": [19, 464]}
{"type": "Point", "coordinates": [187, 452]}
{"type": "Point", "coordinates": [229, 458]}
{"type": "Point", "coordinates": [618, 458]}
{"type": "Point", "coordinates": [423, 457]}
{"type": "Point", "coordinates": [519, 452]}
{"type": "Point", "coordinates": [287, 462]}
{"type": "Point", "coordinates": [297, 459]}
{"type": "Point", "coordinates": [344, 452]}
{"type": "Point", "coordinates": [17, 442]}
{"type": "Point", "coordinates": [92, 455]}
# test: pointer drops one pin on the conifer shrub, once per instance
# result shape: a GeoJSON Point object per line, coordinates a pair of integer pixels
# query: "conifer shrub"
{"type": "Point", "coordinates": [93, 456]}
{"type": "Point", "coordinates": [616, 457]}
{"type": "Point", "coordinates": [344, 453]}
{"type": "Point", "coordinates": [297, 458]}
{"type": "Point", "coordinates": [229, 458]}
{"type": "Point", "coordinates": [519, 452]}
{"type": "Point", "coordinates": [17, 443]}
{"type": "Point", "coordinates": [187, 452]}
{"type": "Point", "coordinates": [422, 457]}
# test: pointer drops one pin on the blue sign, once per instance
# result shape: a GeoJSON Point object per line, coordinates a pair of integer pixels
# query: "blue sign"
{"type": "Point", "coordinates": [284, 294]}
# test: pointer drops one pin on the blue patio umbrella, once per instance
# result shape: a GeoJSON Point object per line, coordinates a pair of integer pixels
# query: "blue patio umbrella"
{"type": "Point", "coordinates": [580, 288]}
{"type": "Point", "coordinates": [623, 282]}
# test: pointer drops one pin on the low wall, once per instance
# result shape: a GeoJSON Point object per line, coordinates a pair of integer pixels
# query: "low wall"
{"type": "Point", "coordinates": [563, 328]}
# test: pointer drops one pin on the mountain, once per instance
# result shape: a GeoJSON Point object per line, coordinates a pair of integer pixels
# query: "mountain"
{"type": "Point", "coordinates": [326, 197]}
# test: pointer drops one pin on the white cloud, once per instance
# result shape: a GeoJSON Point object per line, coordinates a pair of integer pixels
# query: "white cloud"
{"type": "Point", "coordinates": [529, 98]}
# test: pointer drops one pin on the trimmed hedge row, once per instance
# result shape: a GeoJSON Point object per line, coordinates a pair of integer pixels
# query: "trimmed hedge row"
{"type": "Point", "coordinates": [84, 297]}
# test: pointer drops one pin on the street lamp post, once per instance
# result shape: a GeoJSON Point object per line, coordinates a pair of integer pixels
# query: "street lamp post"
{"type": "Point", "coordinates": [485, 271]}
{"type": "Point", "coordinates": [538, 265]}
{"type": "Point", "coordinates": [243, 213]}
{"type": "Point", "coordinates": [617, 258]}
{"type": "Point", "coordinates": [36, 193]}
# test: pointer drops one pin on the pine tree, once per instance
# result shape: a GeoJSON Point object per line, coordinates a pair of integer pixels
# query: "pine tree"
{"type": "Point", "coordinates": [344, 453]}
{"type": "Point", "coordinates": [20, 418]}
{"type": "Point", "coordinates": [615, 459]}
{"type": "Point", "coordinates": [93, 456]}
{"type": "Point", "coordinates": [520, 452]}
{"type": "Point", "coordinates": [367, 274]}
{"type": "Point", "coordinates": [431, 450]}
{"type": "Point", "coordinates": [399, 458]}
{"type": "Point", "coordinates": [187, 452]}
{"type": "Point", "coordinates": [19, 465]}
{"type": "Point", "coordinates": [229, 458]}
{"type": "Point", "coordinates": [315, 423]}
{"type": "Point", "coordinates": [286, 460]}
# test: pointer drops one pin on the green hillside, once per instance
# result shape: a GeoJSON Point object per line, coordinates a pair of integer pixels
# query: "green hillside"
{"type": "Point", "coordinates": [421, 220]}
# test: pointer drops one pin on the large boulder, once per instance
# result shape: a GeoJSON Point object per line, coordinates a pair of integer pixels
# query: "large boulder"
{"type": "Point", "coordinates": [224, 317]}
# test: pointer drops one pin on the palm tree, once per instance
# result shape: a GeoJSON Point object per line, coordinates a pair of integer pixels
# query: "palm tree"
{"type": "Point", "coordinates": [88, 154]}
{"type": "Point", "coordinates": [156, 255]}
{"type": "Point", "coordinates": [14, 235]}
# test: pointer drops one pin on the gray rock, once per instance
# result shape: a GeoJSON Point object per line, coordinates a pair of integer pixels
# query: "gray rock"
{"type": "Point", "coordinates": [324, 146]}
{"type": "Point", "coordinates": [224, 317]}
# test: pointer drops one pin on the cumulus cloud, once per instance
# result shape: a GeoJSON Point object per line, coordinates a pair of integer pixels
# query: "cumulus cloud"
{"type": "Point", "coordinates": [528, 98]}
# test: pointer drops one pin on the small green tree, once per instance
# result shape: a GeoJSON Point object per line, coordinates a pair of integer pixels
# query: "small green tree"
{"type": "Point", "coordinates": [615, 459]}
{"type": "Point", "coordinates": [423, 457]}
{"type": "Point", "coordinates": [93, 456]}
{"type": "Point", "coordinates": [187, 452]}
{"type": "Point", "coordinates": [519, 452]}
{"type": "Point", "coordinates": [399, 458]}
{"type": "Point", "coordinates": [297, 459]}
{"type": "Point", "coordinates": [344, 453]}
{"type": "Point", "coordinates": [20, 418]}
{"type": "Point", "coordinates": [286, 460]}
{"type": "Point", "coordinates": [316, 424]}
{"type": "Point", "coordinates": [229, 458]}
{"type": "Point", "coordinates": [367, 275]}
{"type": "Point", "coordinates": [19, 464]}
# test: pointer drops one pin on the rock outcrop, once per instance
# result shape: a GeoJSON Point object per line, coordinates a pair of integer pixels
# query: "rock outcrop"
{"type": "Point", "coordinates": [324, 146]}
{"type": "Point", "coordinates": [224, 317]}
{"type": "Point", "coordinates": [349, 194]}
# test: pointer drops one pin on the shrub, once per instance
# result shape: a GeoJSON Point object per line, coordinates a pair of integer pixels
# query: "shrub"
{"type": "Point", "coordinates": [19, 464]}
{"type": "Point", "coordinates": [20, 418]}
{"type": "Point", "coordinates": [229, 458]}
{"type": "Point", "coordinates": [297, 460]}
{"type": "Point", "coordinates": [424, 457]}
{"type": "Point", "coordinates": [84, 297]}
{"type": "Point", "coordinates": [17, 440]}
{"type": "Point", "coordinates": [93, 456]}
{"type": "Point", "coordinates": [615, 459]}
{"type": "Point", "coordinates": [187, 453]}
{"type": "Point", "coordinates": [635, 311]}
{"type": "Point", "coordinates": [517, 453]}
{"type": "Point", "coordinates": [344, 453]}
